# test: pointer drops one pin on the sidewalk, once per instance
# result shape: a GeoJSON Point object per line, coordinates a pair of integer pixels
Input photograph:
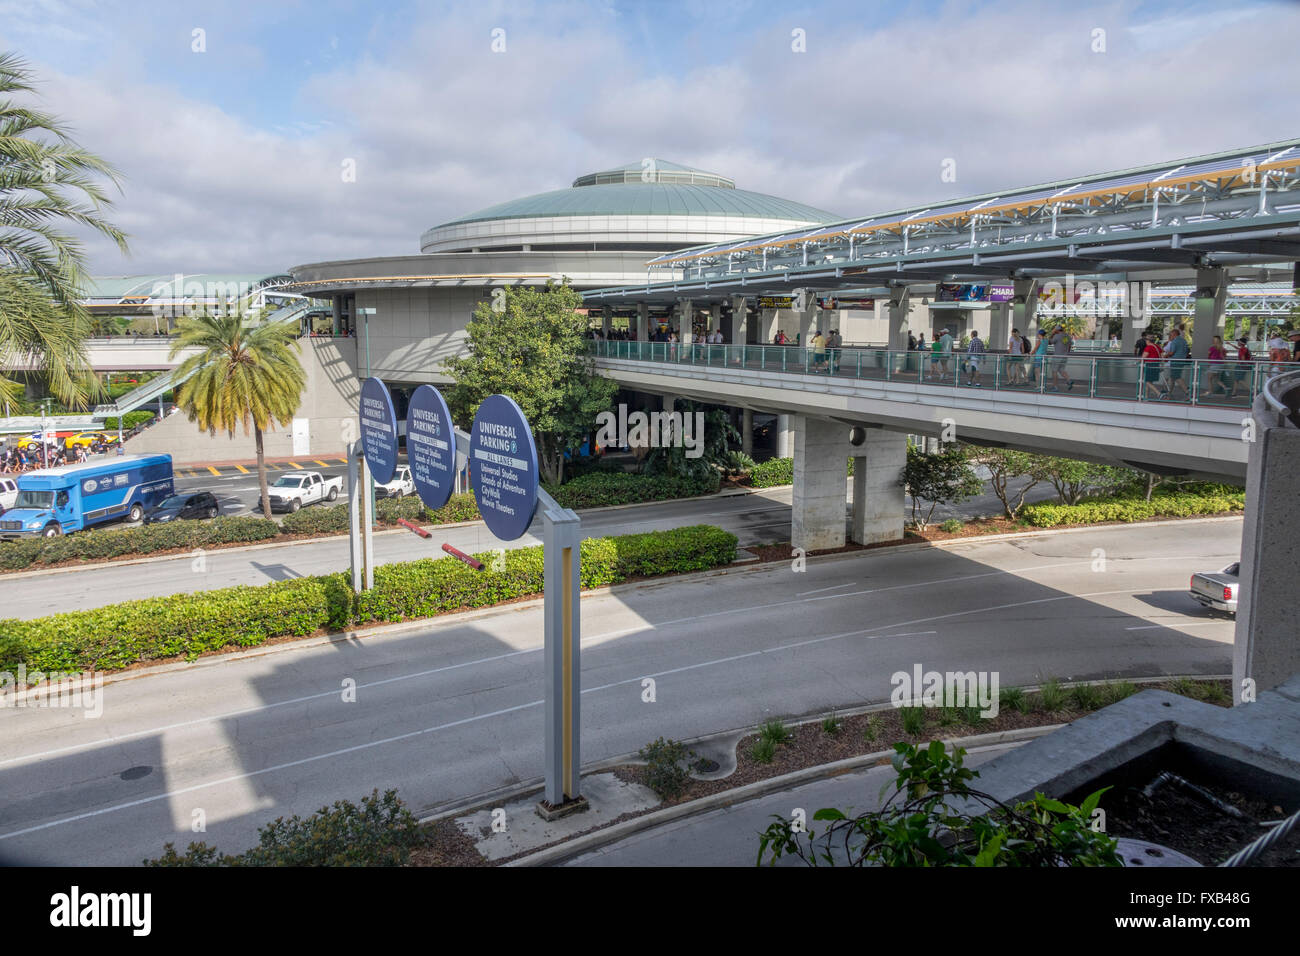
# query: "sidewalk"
{"type": "Point", "coordinates": [728, 835]}
{"type": "Point", "coordinates": [225, 468]}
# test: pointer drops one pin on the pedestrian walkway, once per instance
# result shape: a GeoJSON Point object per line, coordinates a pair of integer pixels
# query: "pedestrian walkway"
{"type": "Point", "coordinates": [226, 468]}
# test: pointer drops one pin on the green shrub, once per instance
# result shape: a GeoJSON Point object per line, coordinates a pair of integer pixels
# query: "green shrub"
{"type": "Point", "coordinates": [763, 750]}
{"type": "Point", "coordinates": [318, 519]}
{"type": "Point", "coordinates": [913, 720]}
{"type": "Point", "coordinates": [1051, 696]}
{"type": "Point", "coordinates": [666, 772]}
{"type": "Point", "coordinates": [1013, 698]}
{"type": "Point", "coordinates": [188, 625]}
{"type": "Point", "coordinates": [831, 724]}
{"type": "Point", "coordinates": [459, 507]}
{"type": "Point", "coordinates": [736, 464]}
{"type": "Point", "coordinates": [774, 730]}
{"type": "Point", "coordinates": [872, 730]}
{"type": "Point", "coordinates": [951, 526]}
{"type": "Point", "coordinates": [771, 473]}
{"type": "Point", "coordinates": [381, 832]}
{"type": "Point", "coordinates": [1206, 500]}
{"type": "Point", "coordinates": [147, 539]}
{"type": "Point", "coordinates": [602, 488]}
{"type": "Point", "coordinates": [1118, 690]}
{"type": "Point", "coordinates": [130, 419]}
{"type": "Point", "coordinates": [1087, 696]}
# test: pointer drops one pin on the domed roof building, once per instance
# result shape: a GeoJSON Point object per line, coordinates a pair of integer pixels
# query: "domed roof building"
{"type": "Point", "coordinates": [601, 231]}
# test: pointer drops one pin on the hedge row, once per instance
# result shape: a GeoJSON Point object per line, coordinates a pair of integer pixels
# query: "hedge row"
{"type": "Point", "coordinates": [146, 539]}
{"type": "Point", "coordinates": [777, 471]}
{"type": "Point", "coordinates": [189, 624]}
{"type": "Point", "coordinates": [601, 488]}
{"type": "Point", "coordinates": [1169, 504]}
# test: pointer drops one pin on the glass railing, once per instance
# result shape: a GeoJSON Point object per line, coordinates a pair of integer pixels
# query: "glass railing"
{"type": "Point", "coordinates": [1226, 383]}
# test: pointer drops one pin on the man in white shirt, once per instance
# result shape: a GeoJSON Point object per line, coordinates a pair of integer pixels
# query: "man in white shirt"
{"type": "Point", "coordinates": [1015, 362]}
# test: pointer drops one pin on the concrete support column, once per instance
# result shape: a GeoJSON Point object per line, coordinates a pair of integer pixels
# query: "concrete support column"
{"type": "Point", "coordinates": [817, 506]}
{"type": "Point", "coordinates": [715, 317]}
{"type": "Point", "coordinates": [999, 325]}
{"type": "Point", "coordinates": [1266, 648]}
{"type": "Point", "coordinates": [740, 320]}
{"type": "Point", "coordinates": [807, 317]}
{"type": "Point", "coordinates": [336, 302]}
{"type": "Point", "coordinates": [767, 325]}
{"type": "Point", "coordinates": [669, 403]}
{"type": "Point", "coordinates": [784, 437]}
{"type": "Point", "coordinates": [896, 312]}
{"type": "Point", "coordinates": [685, 327]}
{"type": "Point", "coordinates": [878, 501]}
{"type": "Point", "coordinates": [606, 320]}
{"type": "Point", "coordinates": [747, 431]}
{"type": "Point", "coordinates": [1024, 314]}
{"type": "Point", "coordinates": [1128, 336]}
{"type": "Point", "coordinates": [1211, 297]}
{"type": "Point", "coordinates": [642, 332]}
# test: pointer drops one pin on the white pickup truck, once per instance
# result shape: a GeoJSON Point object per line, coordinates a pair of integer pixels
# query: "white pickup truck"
{"type": "Point", "coordinates": [402, 484]}
{"type": "Point", "coordinates": [290, 492]}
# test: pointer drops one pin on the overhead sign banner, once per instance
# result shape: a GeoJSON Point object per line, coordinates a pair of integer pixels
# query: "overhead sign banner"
{"type": "Point", "coordinates": [431, 446]}
{"type": "Point", "coordinates": [503, 467]}
{"type": "Point", "coordinates": [378, 429]}
{"type": "Point", "coordinates": [776, 302]}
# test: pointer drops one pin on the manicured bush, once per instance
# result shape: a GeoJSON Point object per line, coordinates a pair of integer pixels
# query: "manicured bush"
{"type": "Point", "coordinates": [146, 539]}
{"type": "Point", "coordinates": [130, 419]}
{"type": "Point", "coordinates": [771, 473]}
{"type": "Point", "coordinates": [189, 624]}
{"type": "Point", "coordinates": [317, 519]}
{"type": "Point", "coordinates": [1163, 504]}
{"type": "Point", "coordinates": [600, 488]}
{"type": "Point", "coordinates": [666, 772]}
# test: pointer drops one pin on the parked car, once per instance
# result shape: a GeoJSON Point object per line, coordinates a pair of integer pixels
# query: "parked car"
{"type": "Point", "coordinates": [8, 493]}
{"type": "Point", "coordinates": [87, 439]}
{"type": "Point", "coordinates": [198, 504]}
{"type": "Point", "coordinates": [1217, 589]}
{"type": "Point", "coordinates": [290, 492]}
{"type": "Point", "coordinates": [402, 484]}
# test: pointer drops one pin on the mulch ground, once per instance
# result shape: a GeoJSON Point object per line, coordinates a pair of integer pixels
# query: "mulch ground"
{"type": "Point", "coordinates": [813, 744]}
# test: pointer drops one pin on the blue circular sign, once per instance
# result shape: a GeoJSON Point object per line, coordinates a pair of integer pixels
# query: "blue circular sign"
{"type": "Point", "coordinates": [378, 429]}
{"type": "Point", "coordinates": [431, 446]}
{"type": "Point", "coordinates": [503, 467]}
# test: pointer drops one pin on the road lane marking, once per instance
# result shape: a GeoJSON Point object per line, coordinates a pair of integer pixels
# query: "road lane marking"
{"type": "Point", "coordinates": [1153, 627]}
{"type": "Point", "coordinates": [214, 471]}
{"type": "Point", "coordinates": [833, 588]}
{"type": "Point", "coordinates": [518, 707]}
{"type": "Point", "coordinates": [296, 465]}
{"type": "Point", "coordinates": [242, 469]}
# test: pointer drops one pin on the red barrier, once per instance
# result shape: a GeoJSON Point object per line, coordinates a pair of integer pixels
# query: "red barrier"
{"type": "Point", "coordinates": [414, 527]}
{"type": "Point", "coordinates": [457, 553]}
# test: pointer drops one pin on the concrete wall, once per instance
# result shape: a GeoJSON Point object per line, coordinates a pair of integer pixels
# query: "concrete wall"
{"type": "Point", "coordinates": [329, 406]}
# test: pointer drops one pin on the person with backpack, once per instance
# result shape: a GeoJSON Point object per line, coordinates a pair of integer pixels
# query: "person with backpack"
{"type": "Point", "coordinates": [1015, 359]}
{"type": "Point", "coordinates": [1061, 344]}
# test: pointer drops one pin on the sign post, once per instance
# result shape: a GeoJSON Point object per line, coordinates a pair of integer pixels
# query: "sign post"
{"type": "Point", "coordinates": [373, 458]}
{"type": "Point", "coordinates": [504, 475]}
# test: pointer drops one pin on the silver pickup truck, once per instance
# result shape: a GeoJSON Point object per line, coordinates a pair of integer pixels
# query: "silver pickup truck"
{"type": "Point", "coordinates": [1217, 589]}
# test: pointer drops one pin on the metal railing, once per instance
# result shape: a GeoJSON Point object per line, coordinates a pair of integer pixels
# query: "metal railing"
{"type": "Point", "coordinates": [1225, 383]}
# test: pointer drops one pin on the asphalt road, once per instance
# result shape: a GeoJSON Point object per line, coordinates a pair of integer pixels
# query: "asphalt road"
{"type": "Point", "coordinates": [759, 518]}
{"type": "Point", "coordinates": [449, 709]}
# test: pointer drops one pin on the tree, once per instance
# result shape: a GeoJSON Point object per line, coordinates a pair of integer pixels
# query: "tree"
{"type": "Point", "coordinates": [35, 332]}
{"type": "Point", "coordinates": [529, 344]}
{"type": "Point", "coordinates": [244, 374]}
{"type": "Point", "coordinates": [47, 180]}
{"type": "Point", "coordinates": [1075, 480]}
{"type": "Point", "coordinates": [940, 478]}
{"type": "Point", "coordinates": [718, 433]}
{"type": "Point", "coordinates": [1004, 466]}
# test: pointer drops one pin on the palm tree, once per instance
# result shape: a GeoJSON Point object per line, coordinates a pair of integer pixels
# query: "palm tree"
{"type": "Point", "coordinates": [243, 373]}
{"type": "Point", "coordinates": [46, 180]}
{"type": "Point", "coordinates": [36, 333]}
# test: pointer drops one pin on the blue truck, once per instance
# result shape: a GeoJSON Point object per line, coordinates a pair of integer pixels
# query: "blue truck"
{"type": "Point", "coordinates": [55, 501]}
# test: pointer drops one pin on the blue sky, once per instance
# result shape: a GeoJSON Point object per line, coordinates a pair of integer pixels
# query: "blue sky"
{"type": "Point", "coordinates": [231, 156]}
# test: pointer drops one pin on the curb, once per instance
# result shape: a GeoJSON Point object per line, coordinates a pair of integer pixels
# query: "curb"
{"type": "Point", "coordinates": [596, 838]}
{"type": "Point", "coordinates": [612, 834]}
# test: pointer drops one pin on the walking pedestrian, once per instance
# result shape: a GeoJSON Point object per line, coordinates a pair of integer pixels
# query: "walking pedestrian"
{"type": "Point", "coordinates": [1176, 351]}
{"type": "Point", "coordinates": [1016, 359]}
{"type": "Point", "coordinates": [974, 358]}
{"type": "Point", "coordinates": [1061, 345]}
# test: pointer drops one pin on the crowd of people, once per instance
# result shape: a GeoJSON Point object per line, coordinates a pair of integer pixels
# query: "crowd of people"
{"type": "Point", "coordinates": [34, 456]}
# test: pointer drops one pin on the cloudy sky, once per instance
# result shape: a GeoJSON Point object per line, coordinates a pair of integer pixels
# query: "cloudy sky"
{"type": "Point", "coordinates": [232, 122]}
